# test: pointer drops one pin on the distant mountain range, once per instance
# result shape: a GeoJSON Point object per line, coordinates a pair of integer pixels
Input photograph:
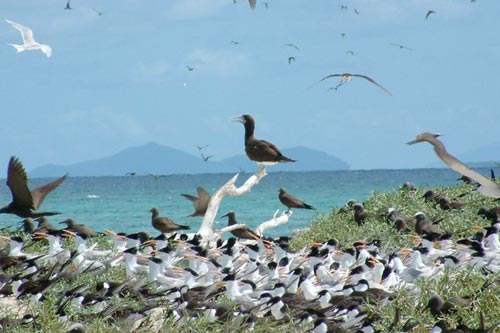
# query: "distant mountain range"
{"type": "Point", "coordinates": [156, 159]}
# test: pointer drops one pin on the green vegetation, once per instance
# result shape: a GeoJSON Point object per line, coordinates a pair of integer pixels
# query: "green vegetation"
{"type": "Point", "coordinates": [483, 289]}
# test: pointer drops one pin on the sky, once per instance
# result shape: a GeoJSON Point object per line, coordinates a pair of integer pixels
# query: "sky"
{"type": "Point", "coordinates": [120, 79]}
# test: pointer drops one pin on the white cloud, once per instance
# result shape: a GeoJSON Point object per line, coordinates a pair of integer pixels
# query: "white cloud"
{"type": "Point", "coordinates": [193, 9]}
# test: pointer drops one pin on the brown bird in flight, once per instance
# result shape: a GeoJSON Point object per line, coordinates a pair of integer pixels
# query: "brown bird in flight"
{"type": "Point", "coordinates": [260, 151]}
{"type": "Point", "coordinates": [200, 202]}
{"type": "Point", "coordinates": [244, 232]}
{"type": "Point", "coordinates": [164, 224]}
{"type": "Point", "coordinates": [346, 77]}
{"type": "Point", "coordinates": [429, 13]}
{"type": "Point", "coordinates": [291, 201]}
{"type": "Point", "coordinates": [486, 187]}
{"type": "Point", "coordinates": [25, 203]}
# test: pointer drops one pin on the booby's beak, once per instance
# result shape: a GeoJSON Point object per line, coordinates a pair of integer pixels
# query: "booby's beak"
{"type": "Point", "coordinates": [239, 119]}
{"type": "Point", "coordinates": [224, 215]}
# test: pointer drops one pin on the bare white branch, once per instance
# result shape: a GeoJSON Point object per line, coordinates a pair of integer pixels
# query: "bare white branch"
{"type": "Point", "coordinates": [274, 222]}
{"type": "Point", "coordinates": [229, 189]}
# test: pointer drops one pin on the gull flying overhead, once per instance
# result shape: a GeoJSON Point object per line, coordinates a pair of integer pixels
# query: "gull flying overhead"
{"type": "Point", "coordinates": [292, 45]}
{"type": "Point", "coordinates": [487, 187]}
{"type": "Point", "coordinates": [401, 46]}
{"type": "Point", "coordinates": [346, 77]}
{"type": "Point", "coordinates": [29, 42]}
{"type": "Point", "coordinates": [429, 13]}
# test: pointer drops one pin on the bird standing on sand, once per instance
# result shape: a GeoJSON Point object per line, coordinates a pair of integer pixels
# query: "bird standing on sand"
{"type": "Point", "coordinates": [346, 77]}
{"type": "Point", "coordinates": [244, 233]}
{"type": "Point", "coordinates": [486, 187]}
{"type": "Point", "coordinates": [291, 201]}
{"type": "Point", "coordinates": [29, 42]}
{"type": "Point", "coordinates": [164, 224]}
{"type": "Point", "coordinates": [260, 151]}
{"type": "Point", "coordinates": [200, 202]}
{"type": "Point", "coordinates": [25, 202]}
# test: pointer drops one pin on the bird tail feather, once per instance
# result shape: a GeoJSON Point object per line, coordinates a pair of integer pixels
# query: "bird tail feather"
{"type": "Point", "coordinates": [19, 48]}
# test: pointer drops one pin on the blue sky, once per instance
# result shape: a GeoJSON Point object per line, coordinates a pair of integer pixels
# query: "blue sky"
{"type": "Point", "coordinates": [120, 79]}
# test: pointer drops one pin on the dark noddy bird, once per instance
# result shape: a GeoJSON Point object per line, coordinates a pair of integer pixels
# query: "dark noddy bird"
{"type": "Point", "coordinates": [445, 203]}
{"type": "Point", "coordinates": [252, 3]}
{"type": "Point", "coordinates": [206, 158]}
{"type": "Point", "coordinates": [465, 179]}
{"type": "Point", "coordinates": [200, 202]}
{"type": "Point", "coordinates": [486, 187]}
{"type": "Point", "coordinates": [98, 12]}
{"type": "Point", "coordinates": [346, 77]}
{"type": "Point", "coordinates": [80, 228]}
{"type": "Point", "coordinates": [351, 52]}
{"type": "Point", "coordinates": [291, 60]}
{"type": "Point", "coordinates": [44, 225]}
{"type": "Point", "coordinates": [25, 202]}
{"type": "Point", "coordinates": [292, 45]}
{"type": "Point", "coordinates": [430, 195]}
{"type": "Point", "coordinates": [164, 224]}
{"type": "Point", "coordinates": [291, 201]}
{"type": "Point", "coordinates": [408, 186]}
{"type": "Point", "coordinates": [423, 227]}
{"type": "Point", "coordinates": [401, 46]}
{"type": "Point", "coordinates": [359, 213]}
{"type": "Point", "coordinates": [429, 13]}
{"type": "Point", "coordinates": [244, 232]}
{"type": "Point", "coordinates": [201, 147]}
{"type": "Point", "coordinates": [260, 151]}
{"type": "Point", "coordinates": [68, 6]}
{"type": "Point", "coordinates": [492, 175]}
{"type": "Point", "coordinates": [189, 68]}
{"type": "Point", "coordinates": [438, 306]}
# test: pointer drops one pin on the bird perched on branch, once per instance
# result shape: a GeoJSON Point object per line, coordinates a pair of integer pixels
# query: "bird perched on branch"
{"type": "Point", "coordinates": [25, 203]}
{"type": "Point", "coordinates": [486, 187]}
{"type": "Point", "coordinates": [244, 232]}
{"type": "Point", "coordinates": [260, 151]}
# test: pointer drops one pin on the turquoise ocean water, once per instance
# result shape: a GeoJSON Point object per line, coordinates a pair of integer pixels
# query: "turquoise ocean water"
{"type": "Point", "coordinates": [123, 203]}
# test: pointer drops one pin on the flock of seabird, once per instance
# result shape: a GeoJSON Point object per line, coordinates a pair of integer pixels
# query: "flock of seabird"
{"type": "Point", "coordinates": [324, 287]}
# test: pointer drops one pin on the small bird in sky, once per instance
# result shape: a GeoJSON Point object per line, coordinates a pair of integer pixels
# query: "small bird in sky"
{"type": "Point", "coordinates": [351, 52]}
{"type": "Point", "coordinates": [346, 77]}
{"type": "Point", "coordinates": [487, 187]}
{"type": "Point", "coordinates": [343, 34]}
{"type": "Point", "coordinates": [356, 11]}
{"type": "Point", "coordinates": [29, 43]}
{"type": "Point", "coordinates": [156, 177]}
{"type": "Point", "coordinates": [234, 42]}
{"type": "Point", "coordinates": [401, 46]}
{"type": "Point", "coordinates": [343, 7]}
{"type": "Point", "coordinates": [200, 202]}
{"type": "Point", "coordinates": [201, 147]}
{"type": "Point", "coordinates": [291, 60]}
{"type": "Point", "coordinates": [206, 158]}
{"type": "Point", "coordinates": [266, 4]}
{"type": "Point", "coordinates": [429, 13]}
{"type": "Point", "coordinates": [130, 174]}
{"type": "Point", "coordinates": [68, 6]}
{"type": "Point", "coordinates": [292, 45]}
{"type": "Point", "coordinates": [252, 3]}
{"type": "Point", "coordinates": [98, 12]}
{"type": "Point", "coordinates": [189, 68]}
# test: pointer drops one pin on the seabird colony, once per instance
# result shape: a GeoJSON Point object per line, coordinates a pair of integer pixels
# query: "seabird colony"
{"type": "Point", "coordinates": [323, 287]}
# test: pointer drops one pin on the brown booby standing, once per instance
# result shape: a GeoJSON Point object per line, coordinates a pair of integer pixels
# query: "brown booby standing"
{"type": "Point", "coordinates": [244, 233]}
{"type": "Point", "coordinates": [260, 151]}
{"type": "Point", "coordinates": [164, 224]}
{"type": "Point", "coordinates": [291, 201]}
{"type": "Point", "coordinates": [25, 202]}
{"type": "Point", "coordinates": [200, 202]}
{"type": "Point", "coordinates": [487, 187]}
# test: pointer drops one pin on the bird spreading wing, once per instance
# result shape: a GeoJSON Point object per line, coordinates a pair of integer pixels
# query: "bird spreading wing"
{"type": "Point", "coordinates": [26, 33]}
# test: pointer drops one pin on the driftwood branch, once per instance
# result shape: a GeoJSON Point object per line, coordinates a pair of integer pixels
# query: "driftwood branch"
{"type": "Point", "coordinates": [274, 222]}
{"type": "Point", "coordinates": [229, 189]}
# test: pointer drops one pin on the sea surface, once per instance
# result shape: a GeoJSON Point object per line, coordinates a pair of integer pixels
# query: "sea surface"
{"type": "Point", "coordinates": [122, 204]}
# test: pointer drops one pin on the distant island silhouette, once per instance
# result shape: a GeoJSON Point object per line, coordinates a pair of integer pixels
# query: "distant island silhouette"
{"type": "Point", "coordinates": [153, 158]}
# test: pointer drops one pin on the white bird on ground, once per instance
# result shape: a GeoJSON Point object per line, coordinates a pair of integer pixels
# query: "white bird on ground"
{"type": "Point", "coordinates": [29, 42]}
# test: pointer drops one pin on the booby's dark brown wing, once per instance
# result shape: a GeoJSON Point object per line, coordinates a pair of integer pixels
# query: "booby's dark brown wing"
{"type": "Point", "coordinates": [203, 195]}
{"type": "Point", "coordinates": [39, 193]}
{"type": "Point", "coordinates": [264, 151]}
{"type": "Point", "coordinates": [17, 181]}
